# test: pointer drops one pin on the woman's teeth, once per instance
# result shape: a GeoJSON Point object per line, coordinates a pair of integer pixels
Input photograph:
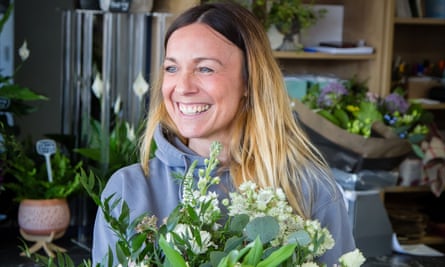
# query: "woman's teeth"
{"type": "Point", "coordinates": [193, 109]}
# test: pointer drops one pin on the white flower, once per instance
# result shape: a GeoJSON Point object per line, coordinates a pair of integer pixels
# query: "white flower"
{"type": "Point", "coordinates": [117, 105]}
{"type": "Point", "coordinates": [24, 51]}
{"type": "Point", "coordinates": [263, 199]}
{"type": "Point", "coordinates": [247, 186]}
{"type": "Point", "coordinates": [97, 86]}
{"type": "Point", "coordinates": [184, 231]}
{"type": "Point", "coordinates": [309, 264]}
{"type": "Point", "coordinates": [352, 259]}
{"type": "Point", "coordinates": [140, 86]}
{"type": "Point", "coordinates": [130, 132]}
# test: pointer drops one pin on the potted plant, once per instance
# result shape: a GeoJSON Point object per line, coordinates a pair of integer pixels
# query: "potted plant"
{"type": "Point", "coordinates": [41, 185]}
{"type": "Point", "coordinates": [288, 16]}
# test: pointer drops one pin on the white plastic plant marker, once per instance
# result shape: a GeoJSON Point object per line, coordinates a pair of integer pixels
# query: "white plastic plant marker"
{"type": "Point", "coordinates": [47, 147]}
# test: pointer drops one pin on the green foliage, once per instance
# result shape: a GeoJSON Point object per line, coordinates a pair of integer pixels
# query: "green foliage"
{"type": "Point", "coordinates": [349, 105]}
{"type": "Point", "coordinates": [291, 16]}
{"type": "Point", "coordinates": [29, 173]}
{"type": "Point", "coordinates": [121, 148]}
{"type": "Point", "coordinates": [288, 15]}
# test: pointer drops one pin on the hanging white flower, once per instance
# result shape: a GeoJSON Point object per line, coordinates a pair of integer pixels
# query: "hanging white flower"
{"type": "Point", "coordinates": [97, 86]}
{"type": "Point", "coordinates": [130, 132]}
{"type": "Point", "coordinates": [140, 86]}
{"type": "Point", "coordinates": [117, 105]}
{"type": "Point", "coordinates": [24, 51]}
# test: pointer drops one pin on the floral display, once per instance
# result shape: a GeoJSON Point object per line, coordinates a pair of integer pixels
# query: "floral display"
{"type": "Point", "coordinates": [261, 228]}
{"type": "Point", "coordinates": [352, 107]}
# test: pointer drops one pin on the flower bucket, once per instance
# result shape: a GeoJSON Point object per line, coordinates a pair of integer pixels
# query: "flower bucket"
{"type": "Point", "coordinates": [43, 216]}
{"type": "Point", "coordinates": [351, 152]}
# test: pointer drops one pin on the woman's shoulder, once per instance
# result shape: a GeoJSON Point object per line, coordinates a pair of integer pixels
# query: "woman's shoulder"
{"type": "Point", "coordinates": [128, 176]}
{"type": "Point", "coordinates": [323, 189]}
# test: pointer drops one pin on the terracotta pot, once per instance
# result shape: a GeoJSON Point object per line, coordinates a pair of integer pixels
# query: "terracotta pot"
{"type": "Point", "coordinates": [43, 216]}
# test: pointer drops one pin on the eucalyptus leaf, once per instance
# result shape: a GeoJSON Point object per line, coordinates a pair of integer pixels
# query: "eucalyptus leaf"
{"type": "Point", "coordinates": [238, 223]}
{"type": "Point", "coordinates": [267, 228]}
{"type": "Point", "coordinates": [300, 237]}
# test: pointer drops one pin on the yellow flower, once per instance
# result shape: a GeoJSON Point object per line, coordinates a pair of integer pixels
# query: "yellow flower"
{"type": "Point", "coordinates": [352, 108]}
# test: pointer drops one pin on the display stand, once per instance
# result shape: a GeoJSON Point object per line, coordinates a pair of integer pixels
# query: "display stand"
{"type": "Point", "coordinates": [43, 241]}
{"type": "Point", "coordinates": [117, 48]}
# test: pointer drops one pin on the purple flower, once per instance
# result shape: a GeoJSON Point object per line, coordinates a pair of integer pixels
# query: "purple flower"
{"type": "Point", "coordinates": [372, 97]}
{"type": "Point", "coordinates": [395, 102]}
{"type": "Point", "coordinates": [331, 94]}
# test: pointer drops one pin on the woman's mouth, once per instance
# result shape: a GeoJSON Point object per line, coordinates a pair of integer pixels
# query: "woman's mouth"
{"type": "Point", "coordinates": [193, 109]}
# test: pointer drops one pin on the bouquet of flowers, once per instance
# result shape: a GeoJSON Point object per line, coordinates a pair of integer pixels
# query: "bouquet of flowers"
{"type": "Point", "coordinates": [261, 229]}
{"type": "Point", "coordinates": [357, 130]}
{"type": "Point", "coordinates": [352, 107]}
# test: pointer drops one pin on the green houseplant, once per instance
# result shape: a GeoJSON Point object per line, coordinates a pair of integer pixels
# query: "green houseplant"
{"type": "Point", "coordinates": [290, 17]}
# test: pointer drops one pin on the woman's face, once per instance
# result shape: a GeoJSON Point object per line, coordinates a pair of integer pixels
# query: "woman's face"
{"type": "Point", "coordinates": [203, 83]}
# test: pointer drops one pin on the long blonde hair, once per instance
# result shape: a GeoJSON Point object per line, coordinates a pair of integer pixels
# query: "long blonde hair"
{"type": "Point", "coordinates": [267, 146]}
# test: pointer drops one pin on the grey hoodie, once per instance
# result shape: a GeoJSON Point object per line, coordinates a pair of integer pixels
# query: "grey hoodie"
{"type": "Point", "coordinates": [160, 193]}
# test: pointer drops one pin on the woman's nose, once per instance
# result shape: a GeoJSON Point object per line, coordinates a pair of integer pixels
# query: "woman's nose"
{"type": "Point", "coordinates": [185, 84]}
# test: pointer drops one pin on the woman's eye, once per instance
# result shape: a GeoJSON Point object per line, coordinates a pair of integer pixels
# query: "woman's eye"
{"type": "Point", "coordinates": [205, 70]}
{"type": "Point", "coordinates": [170, 69]}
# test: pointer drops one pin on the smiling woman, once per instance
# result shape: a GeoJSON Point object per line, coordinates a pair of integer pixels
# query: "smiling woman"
{"type": "Point", "coordinates": [203, 89]}
{"type": "Point", "coordinates": [221, 83]}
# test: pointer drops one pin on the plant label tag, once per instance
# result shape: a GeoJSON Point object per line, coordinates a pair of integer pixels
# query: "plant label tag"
{"type": "Point", "coordinates": [47, 147]}
{"type": "Point", "coordinates": [4, 103]}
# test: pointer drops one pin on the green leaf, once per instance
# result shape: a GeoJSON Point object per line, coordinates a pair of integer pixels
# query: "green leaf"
{"type": "Point", "coordinates": [233, 242]}
{"type": "Point", "coordinates": [171, 254]}
{"type": "Point", "coordinates": [216, 257]}
{"type": "Point", "coordinates": [278, 256]}
{"type": "Point", "coordinates": [342, 117]}
{"type": "Point", "coordinates": [301, 237]}
{"type": "Point", "coordinates": [267, 228]}
{"type": "Point", "coordinates": [138, 240]}
{"type": "Point", "coordinates": [325, 114]}
{"type": "Point", "coordinates": [255, 253]}
{"type": "Point", "coordinates": [238, 223]}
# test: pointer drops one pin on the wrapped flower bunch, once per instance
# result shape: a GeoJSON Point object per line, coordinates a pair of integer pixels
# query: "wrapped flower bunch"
{"type": "Point", "coordinates": [349, 105]}
{"type": "Point", "coordinates": [260, 229]}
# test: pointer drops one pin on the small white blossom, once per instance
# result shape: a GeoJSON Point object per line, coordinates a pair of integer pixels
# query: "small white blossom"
{"type": "Point", "coordinates": [24, 51]}
{"type": "Point", "coordinates": [98, 86]}
{"type": "Point", "coordinates": [140, 86]}
{"type": "Point", "coordinates": [352, 259]}
{"type": "Point", "coordinates": [247, 186]}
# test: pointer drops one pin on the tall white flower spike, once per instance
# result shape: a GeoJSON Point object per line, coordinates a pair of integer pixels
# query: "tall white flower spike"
{"type": "Point", "coordinates": [24, 51]}
{"type": "Point", "coordinates": [97, 86]}
{"type": "Point", "coordinates": [140, 86]}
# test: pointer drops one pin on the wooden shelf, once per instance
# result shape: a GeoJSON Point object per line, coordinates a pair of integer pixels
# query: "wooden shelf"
{"type": "Point", "coordinates": [320, 56]}
{"type": "Point", "coordinates": [434, 106]}
{"type": "Point", "coordinates": [419, 21]}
